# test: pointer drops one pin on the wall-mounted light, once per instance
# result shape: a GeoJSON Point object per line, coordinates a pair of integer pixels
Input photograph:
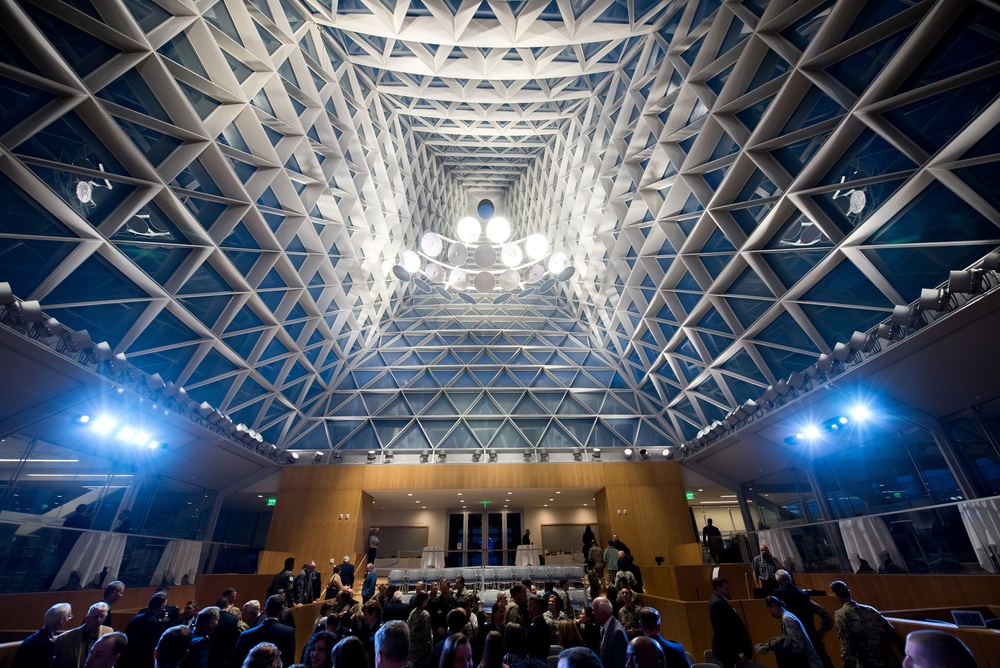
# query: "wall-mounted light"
{"type": "Point", "coordinates": [595, 454]}
{"type": "Point", "coordinates": [644, 454]}
{"type": "Point", "coordinates": [292, 457]}
{"type": "Point", "coordinates": [543, 455]}
{"type": "Point", "coordinates": [527, 454]}
{"type": "Point", "coordinates": [424, 456]}
{"type": "Point", "coordinates": [371, 456]}
{"type": "Point", "coordinates": [493, 454]}
{"type": "Point", "coordinates": [477, 454]}
{"type": "Point", "coordinates": [628, 452]}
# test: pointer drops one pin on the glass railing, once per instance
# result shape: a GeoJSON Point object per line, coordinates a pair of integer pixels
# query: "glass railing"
{"type": "Point", "coordinates": [42, 558]}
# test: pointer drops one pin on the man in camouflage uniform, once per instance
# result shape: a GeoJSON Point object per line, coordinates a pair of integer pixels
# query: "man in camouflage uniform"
{"type": "Point", "coordinates": [284, 583]}
{"type": "Point", "coordinates": [865, 635]}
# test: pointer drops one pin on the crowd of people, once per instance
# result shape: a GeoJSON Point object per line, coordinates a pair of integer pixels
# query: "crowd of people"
{"type": "Point", "coordinates": [443, 625]}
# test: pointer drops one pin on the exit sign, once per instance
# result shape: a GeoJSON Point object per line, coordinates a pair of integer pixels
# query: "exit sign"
{"type": "Point", "coordinates": [689, 495]}
{"type": "Point", "coordinates": [272, 502]}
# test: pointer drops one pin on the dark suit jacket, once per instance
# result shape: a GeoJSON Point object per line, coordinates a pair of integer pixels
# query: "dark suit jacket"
{"type": "Point", "coordinates": [36, 651]}
{"type": "Point", "coordinates": [397, 611]}
{"type": "Point", "coordinates": [143, 633]}
{"type": "Point", "coordinates": [799, 604]}
{"type": "Point", "coordinates": [303, 588]}
{"type": "Point", "coordinates": [347, 574]}
{"type": "Point", "coordinates": [199, 653]}
{"type": "Point", "coordinates": [538, 638]}
{"type": "Point", "coordinates": [673, 652]}
{"type": "Point", "coordinates": [271, 631]}
{"type": "Point", "coordinates": [223, 639]}
{"type": "Point", "coordinates": [614, 645]}
{"type": "Point", "coordinates": [729, 635]}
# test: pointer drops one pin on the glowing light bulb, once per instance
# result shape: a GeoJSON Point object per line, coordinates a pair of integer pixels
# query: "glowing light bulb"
{"type": "Point", "coordinates": [468, 229]}
{"type": "Point", "coordinates": [410, 261]}
{"type": "Point", "coordinates": [511, 255]}
{"type": "Point", "coordinates": [536, 246]}
{"type": "Point", "coordinates": [498, 230]}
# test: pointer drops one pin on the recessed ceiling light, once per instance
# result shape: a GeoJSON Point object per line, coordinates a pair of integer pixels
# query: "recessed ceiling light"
{"type": "Point", "coordinates": [410, 494]}
{"type": "Point", "coordinates": [585, 505]}
{"type": "Point", "coordinates": [551, 499]}
{"type": "Point", "coordinates": [545, 505]}
{"type": "Point", "coordinates": [558, 492]}
{"type": "Point", "coordinates": [460, 494]}
{"type": "Point", "coordinates": [505, 506]}
{"type": "Point", "coordinates": [700, 489]}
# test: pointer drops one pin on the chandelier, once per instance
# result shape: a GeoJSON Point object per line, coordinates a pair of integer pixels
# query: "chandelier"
{"type": "Point", "coordinates": [483, 259]}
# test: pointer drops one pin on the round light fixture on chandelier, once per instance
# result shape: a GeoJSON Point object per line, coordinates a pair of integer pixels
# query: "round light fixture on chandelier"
{"type": "Point", "coordinates": [472, 263]}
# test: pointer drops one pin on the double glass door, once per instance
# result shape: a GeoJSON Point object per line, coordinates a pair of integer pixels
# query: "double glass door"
{"type": "Point", "coordinates": [483, 538]}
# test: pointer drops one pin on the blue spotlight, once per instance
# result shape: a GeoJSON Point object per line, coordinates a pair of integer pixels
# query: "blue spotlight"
{"type": "Point", "coordinates": [810, 432]}
{"type": "Point", "coordinates": [860, 413]}
{"type": "Point", "coordinates": [81, 419]}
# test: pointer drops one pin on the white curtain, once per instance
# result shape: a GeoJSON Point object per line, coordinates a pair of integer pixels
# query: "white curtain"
{"type": "Point", "coordinates": [180, 558]}
{"type": "Point", "coordinates": [982, 522]}
{"type": "Point", "coordinates": [782, 546]}
{"type": "Point", "coordinates": [867, 538]}
{"type": "Point", "coordinates": [92, 552]}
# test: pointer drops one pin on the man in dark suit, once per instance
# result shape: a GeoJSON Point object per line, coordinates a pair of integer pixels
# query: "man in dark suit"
{"type": "Point", "coordinates": [144, 632]}
{"type": "Point", "coordinates": [303, 584]}
{"type": "Point", "coordinates": [538, 630]}
{"type": "Point", "coordinates": [347, 572]}
{"type": "Point", "coordinates": [225, 635]}
{"type": "Point", "coordinates": [271, 631]}
{"type": "Point", "coordinates": [614, 644]}
{"type": "Point", "coordinates": [801, 605]}
{"type": "Point", "coordinates": [673, 652]}
{"type": "Point", "coordinates": [37, 650]}
{"type": "Point", "coordinates": [730, 640]}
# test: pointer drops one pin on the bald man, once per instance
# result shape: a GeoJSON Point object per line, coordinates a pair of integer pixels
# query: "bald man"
{"type": "Point", "coordinates": [643, 652]}
{"type": "Point", "coordinates": [936, 649]}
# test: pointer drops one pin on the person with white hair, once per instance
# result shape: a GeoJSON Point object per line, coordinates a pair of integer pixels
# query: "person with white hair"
{"type": "Point", "coordinates": [36, 650]}
{"type": "Point", "coordinates": [72, 647]}
{"type": "Point", "coordinates": [347, 572]}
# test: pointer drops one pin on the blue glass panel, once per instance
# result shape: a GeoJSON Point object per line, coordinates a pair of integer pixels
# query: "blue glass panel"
{"type": "Point", "coordinates": [936, 215]}
{"type": "Point", "coordinates": [508, 437]}
{"type": "Point", "coordinates": [245, 319]}
{"type": "Point", "coordinates": [749, 283]}
{"type": "Point", "coordinates": [983, 179]}
{"type": "Point", "coordinates": [214, 393]}
{"type": "Point", "coordinates": [82, 51]}
{"type": "Point", "coordinates": [485, 430]}
{"type": "Point", "coordinates": [747, 311]}
{"type": "Point", "coordinates": [715, 344]}
{"type": "Point", "coordinates": [556, 437]}
{"type": "Point", "coordinates": [845, 282]}
{"type": "Point", "coordinates": [970, 42]}
{"type": "Point", "coordinates": [814, 108]}
{"type": "Point", "coordinates": [715, 264]}
{"type": "Point", "coordinates": [748, 218]}
{"type": "Point", "coordinates": [803, 31]}
{"type": "Point", "coordinates": [208, 309]}
{"type": "Point", "coordinates": [214, 364]}
{"type": "Point", "coordinates": [205, 280]}
{"type": "Point", "coordinates": [12, 54]}
{"type": "Point", "coordinates": [783, 363]}
{"type": "Point", "coordinates": [741, 363]}
{"type": "Point", "coordinates": [18, 101]}
{"type": "Point", "coordinates": [147, 14]}
{"type": "Point", "coordinates": [911, 269]}
{"type": "Point", "coordinates": [799, 232]}
{"type": "Point", "coordinates": [99, 199]}
{"type": "Point", "coordinates": [181, 51]}
{"type": "Point", "coordinates": [363, 439]}
{"type": "Point", "coordinates": [859, 70]}
{"type": "Point", "coordinates": [155, 146]}
{"type": "Point", "coordinates": [104, 322]}
{"type": "Point", "coordinates": [784, 331]}
{"type": "Point", "coordinates": [23, 215]}
{"type": "Point", "coordinates": [790, 266]}
{"type": "Point", "coordinates": [196, 177]}
{"type": "Point", "coordinates": [771, 67]}
{"type": "Point", "coordinates": [758, 186]}
{"type": "Point", "coordinates": [874, 13]}
{"type": "Point", "coordinates": [168, 363]}
{"type": "Point", "coordinates": [795, 156]}
{"type": "Point", "coordinates": [203, 104]}
{"type": "Point", "coordinates": [241, 344]}
{"type": "Point", "coordinates": [751, 116]}
{"type": "Point", "coordinates": [68, 140]}
{"type": "Point", "coordinates": [96, 276]}
{"type": "Point", "coordinates": [159, 262]}
{"type": "Point", "coordinates": [412, 438]}
{"type": "Point", "coordinates": [933, 121]}
{"type": "Point", "coordinates": [838, 324]}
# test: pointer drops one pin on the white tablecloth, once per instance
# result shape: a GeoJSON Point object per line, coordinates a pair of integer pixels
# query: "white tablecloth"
{"type": "Point", "coordinates": [527, 555]}
{"type": "Point", "coordinates": [433, 557]}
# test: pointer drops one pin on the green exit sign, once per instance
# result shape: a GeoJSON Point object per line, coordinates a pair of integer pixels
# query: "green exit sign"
{"type": "Point", "coordinates": [272, 502]}
{"type": "Point", "coordinates": [897, 495]}
{"type": "Point", "coordinates": [689, 495]}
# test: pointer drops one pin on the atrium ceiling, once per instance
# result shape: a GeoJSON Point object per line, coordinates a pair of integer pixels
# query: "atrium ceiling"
{"type": "Point", "coordinates": [221, 190]}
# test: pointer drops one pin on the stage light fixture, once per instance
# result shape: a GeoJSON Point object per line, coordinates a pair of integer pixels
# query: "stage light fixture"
{"type": "Point", "coordinates": [292, 457]}
{"type": "Point", "coordinates": [371, 456]}
{"type": "Point", "coordinates": [477, 454]}
{"type": "Point", "coordinates": [104, 424]}
{"type": "Point", "coordinates": [388, 457]}
{"type": "Point", "coordinates": [810, 432]}
{"type": "Point", "coordinates": [442, 456]}
{"type": "Point", "coordinates": [933, 299]}
{"type": "Point", "coordinates": [577, 454]}
{"type": "Point", "coordinates": [595, 454]}
{"type": "Point", "coordinates": [81, 419]}
{"type": "Point", "coordinates": [493, 454]}
{"type": "Point", "coordinates": [643, 454]}
{"type": "Point", "coordinates": [543, 455]}
{"type": "Point", "coordinates": [424, 456]}
{"type": "Point", "coordinates": [628, 452]}
{"type": "Point", "coordinates": [317, 456]}
{"type": "Point", "coordinates": [527, 454]}
{"type": "Point", "coordinates": [860, 413]}
{"type": "Point", "coordinates": [667, 453]}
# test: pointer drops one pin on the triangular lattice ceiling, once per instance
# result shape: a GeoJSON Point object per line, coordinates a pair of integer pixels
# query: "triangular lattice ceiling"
{"type": "Point", "coordinates": [220, 190]}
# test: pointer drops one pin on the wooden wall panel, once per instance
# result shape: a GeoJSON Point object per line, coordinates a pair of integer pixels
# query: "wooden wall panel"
{"type": "Point", "coordinates": [306, 520]}
{"type": "Point", "coordinates": [904, 592]}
